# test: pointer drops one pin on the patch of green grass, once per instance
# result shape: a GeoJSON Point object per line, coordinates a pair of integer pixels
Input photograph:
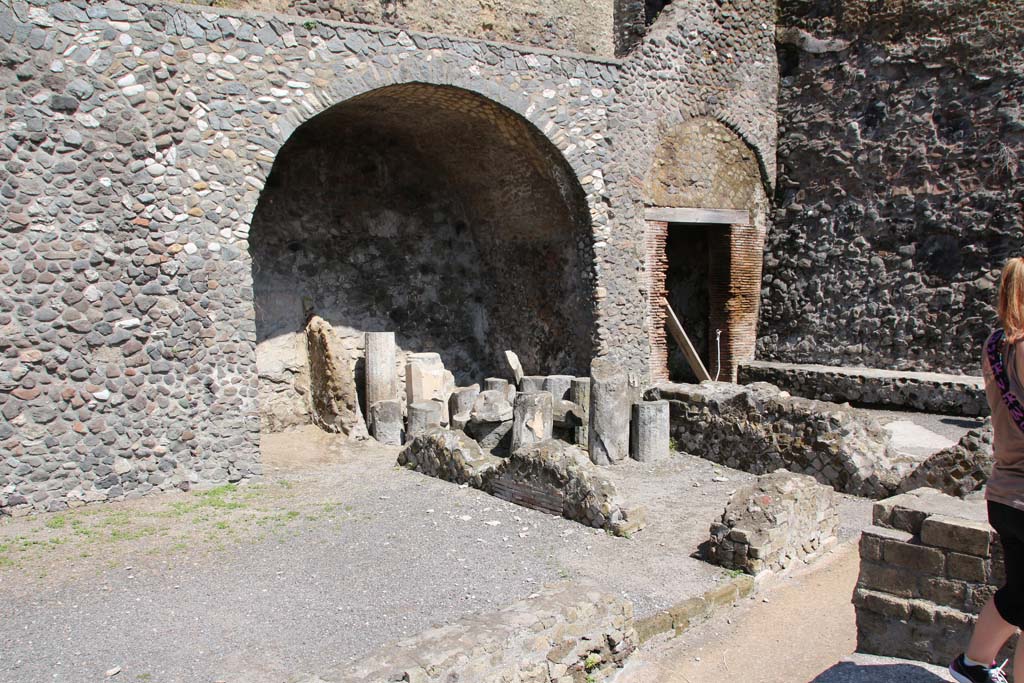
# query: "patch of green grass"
{"type": "Point", "coordinates": [56, 522]}
{"type": "Point", "coordinates": [131, 534]}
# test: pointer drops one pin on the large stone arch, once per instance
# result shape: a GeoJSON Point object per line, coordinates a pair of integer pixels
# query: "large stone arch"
{"type": "Point", "coordinates": [707, 193]}
{"type": "Point", "coordinates": [431, 211]}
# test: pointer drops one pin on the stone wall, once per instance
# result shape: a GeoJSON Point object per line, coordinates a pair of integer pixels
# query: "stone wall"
{"type": "Point", "coordinates": [768, 525]}
{"type": "Point", "coordinates": [138, 140]}
{"type": "Point", "coordinates": [583, 26]}
{"type": "Point", "coordinates": [759, 429]}
{"type": "Point", "coordinates": [899, 193]}
{"type": "Point", "coordinates": [928, 565]}
{"type": "Point", "coordinates": [929, 392]}
{"type": "Point", "coordinates": [563, 633]}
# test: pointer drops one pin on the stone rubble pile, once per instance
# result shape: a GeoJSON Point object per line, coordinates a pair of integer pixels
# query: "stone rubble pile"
{"type": "Point", "coordinates": [547, 475]}
{"type": "Point", "coordinates": [958, 470]}
{"type": "Point", "coordinates": [597, 412]}
{"type": "Point", "coordinates": [777, 520]}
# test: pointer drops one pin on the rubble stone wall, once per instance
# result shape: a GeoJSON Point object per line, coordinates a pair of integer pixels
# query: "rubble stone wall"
{"type": "Point", "coordinates": [899, 194]}
{"type": "Point", "coordinates": [928, 565]}
{"type": "Point", "coordinates": [564, 633]}
{"type": "Point", "coordinates": [959, 470]}
{"type": "Point", "coordinates": [758, 428]}
{"type": "Point", "coordinates": [583, 26]}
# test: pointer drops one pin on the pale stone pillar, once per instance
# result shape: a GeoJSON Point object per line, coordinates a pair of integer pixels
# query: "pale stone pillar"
{"type": "Point", "coordinates": [650, 430]}
{"type": "Point", "coordinates": [381, 377]}
{"type": "Point", "coordinates": [427, 380]}
{"type": "Point", "coordinates": [609, 413]}
{"type": "Point", "coordinates": [460, 404]}
{"type": "Point", "coordinates": [532, 419]}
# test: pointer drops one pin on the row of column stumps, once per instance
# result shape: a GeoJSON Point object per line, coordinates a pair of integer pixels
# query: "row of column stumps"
{"type": "Point", "coordinates": [612, 429]}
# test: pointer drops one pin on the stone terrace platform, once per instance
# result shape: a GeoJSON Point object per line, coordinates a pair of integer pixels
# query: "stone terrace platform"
{"type": "Point", "coordinates": [929, 392]}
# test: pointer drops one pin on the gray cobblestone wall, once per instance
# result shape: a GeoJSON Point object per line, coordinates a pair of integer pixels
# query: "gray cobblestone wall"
{"type": "Point", "coordinates": [899, 181]}
{"type": "Point", "coordinates": [136, 141]}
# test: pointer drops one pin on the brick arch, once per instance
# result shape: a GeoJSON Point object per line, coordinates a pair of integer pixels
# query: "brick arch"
{"type": "Point", "coordinates": [701, 166]}
{"type": "Point", "coordinates": [320, 99]}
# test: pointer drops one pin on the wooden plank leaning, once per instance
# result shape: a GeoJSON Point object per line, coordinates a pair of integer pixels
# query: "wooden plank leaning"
{"type": "Point", "coordinates": [679, 334]}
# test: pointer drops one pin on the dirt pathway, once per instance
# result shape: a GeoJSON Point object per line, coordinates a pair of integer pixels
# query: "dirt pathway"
{"type": "Point", "coordinates": [796, 630]}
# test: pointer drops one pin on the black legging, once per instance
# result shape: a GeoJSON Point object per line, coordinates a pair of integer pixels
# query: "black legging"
{"type": "Point", "coordinates": [1009, 524]}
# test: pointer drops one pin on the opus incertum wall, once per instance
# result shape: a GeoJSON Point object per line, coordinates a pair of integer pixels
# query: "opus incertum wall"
{"type": "Point", "coordinates": [135, 143]}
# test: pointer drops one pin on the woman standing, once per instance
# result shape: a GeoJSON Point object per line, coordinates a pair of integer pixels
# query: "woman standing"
{"type": "Point", "coordinates": [1003, 367]}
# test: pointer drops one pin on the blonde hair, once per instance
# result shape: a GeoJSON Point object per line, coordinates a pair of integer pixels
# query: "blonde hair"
{"type": "Point", "coordinates": [1011, 300]}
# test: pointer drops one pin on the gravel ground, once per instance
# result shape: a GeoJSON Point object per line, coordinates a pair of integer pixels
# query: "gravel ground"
{"type": "Point", "coordinates": [335, 552]}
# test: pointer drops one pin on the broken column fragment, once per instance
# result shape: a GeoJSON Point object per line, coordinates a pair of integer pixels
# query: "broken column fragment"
{"type": "Point", "coordinates": [427, 380]}
{"type": "Point", "coordinates": [381, 378]}
{"type": "Point", "coordinates": [532, 420]}
{"type": "Point", "coordinates": [502, 385]}
{"type": "Point", "coordinates": [609, 413]}
{"type": "Point", "coordinates": [558, 386]}
{"type": "Point", "coordinates": [460, 405]}
{"type": "Point", "coordinates": [514, 366]}
{"type": "Point", "coordinates": [649, 430]}
{"type": "Point", "coordinates": [386, 422]}
{"type": "Point", "coordinates": [490, 421]}
{"type": "Point", "coordinates": [566, 420]}
{"type": "Point", "coordinates": [532, 384]}
{"type": "Point", "coordinates": [422, 415]}
{"type": "Point", "coordinates": [579, 393]}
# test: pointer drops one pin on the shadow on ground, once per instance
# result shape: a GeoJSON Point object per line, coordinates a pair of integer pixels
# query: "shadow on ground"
{"type": "Point", "coordinates": [851, 672]}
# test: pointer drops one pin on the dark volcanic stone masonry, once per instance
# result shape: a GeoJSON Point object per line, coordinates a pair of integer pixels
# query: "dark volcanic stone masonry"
{"type": "Point", "coordinates": [899, 197]}
{"type": "Point", "coordinates": [136, 143]}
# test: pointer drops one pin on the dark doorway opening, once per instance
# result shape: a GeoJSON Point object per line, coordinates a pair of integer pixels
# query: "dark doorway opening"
{"type": "Point", "coordinates": [697, 270]}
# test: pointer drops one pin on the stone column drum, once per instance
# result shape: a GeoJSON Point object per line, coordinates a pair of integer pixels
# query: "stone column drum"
{"type": "Point", "coordinates": [427, 379]}
{"type": "Point", "coordinates": [460, 404]}
{"type": "Point", "coordinates": [579, 393]}
{"type": "Point", "coordinates": [532, 419]}
{"type": "Point", "coordinates": [609, 413]}
{"type": "Point", "coordinates": [558, 386]}
{"type": "Point", "coordinates": [649, 430]}
{"type": "Point", "coordinates": [386, 421]}
{"type": "Point", "coordinates": [502, 385]}
{"type": "Point", "coordinates": [422, 416]}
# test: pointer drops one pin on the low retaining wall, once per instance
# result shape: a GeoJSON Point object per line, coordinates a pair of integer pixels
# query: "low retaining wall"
{"type": "Point", "coordinates": [767, 525]}
{"type": "Point", "coordinates": [759, 429]}
{"type": "Point", "coordinates": [930, 392]}
{"type": "Point", "coordinates": [928, 565]}
{"type": "Point", "coordinates": [565, 634]}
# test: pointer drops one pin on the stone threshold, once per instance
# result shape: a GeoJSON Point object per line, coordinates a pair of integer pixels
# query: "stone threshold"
{"type": "Point", "coordinates": [932, 392]}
